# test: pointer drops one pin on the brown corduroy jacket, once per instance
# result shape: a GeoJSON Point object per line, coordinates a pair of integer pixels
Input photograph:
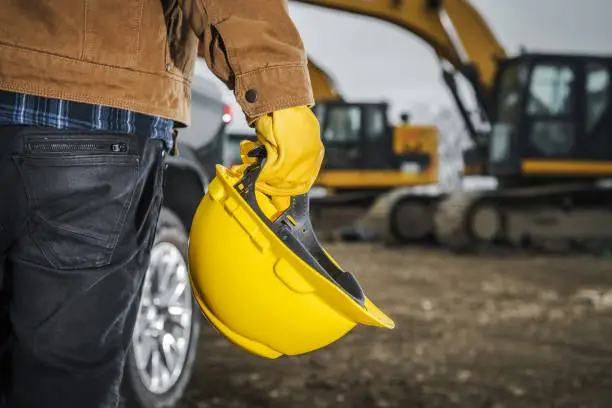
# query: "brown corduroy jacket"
{"type": "Point", "coordinates": [140, 54]}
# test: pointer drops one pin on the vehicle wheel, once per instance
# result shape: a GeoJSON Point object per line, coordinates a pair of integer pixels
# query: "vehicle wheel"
{"type": "Point", "coordinates": [486, 223]}
{"type": "Point", "coordinates": [165, 337]}
{"type": "Point", "coordinates": [411, 220]}
{"type": "Point", "coordinates": [450, 221]}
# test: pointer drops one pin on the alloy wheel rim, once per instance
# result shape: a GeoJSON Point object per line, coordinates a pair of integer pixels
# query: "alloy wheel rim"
{"type": "Point", "coordinates": [163, 327]}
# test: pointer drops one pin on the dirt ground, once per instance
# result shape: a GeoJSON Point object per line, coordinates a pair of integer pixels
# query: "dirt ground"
{"type": "Point", "coordinates": [477, 332]}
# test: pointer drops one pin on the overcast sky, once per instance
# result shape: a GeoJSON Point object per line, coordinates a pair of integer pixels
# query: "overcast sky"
{"type": "Point", "coordinates": [374, 60]}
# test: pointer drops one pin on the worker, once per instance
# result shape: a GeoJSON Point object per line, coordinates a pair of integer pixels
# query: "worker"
{"type": "Point", "coordinates": [91, 95]}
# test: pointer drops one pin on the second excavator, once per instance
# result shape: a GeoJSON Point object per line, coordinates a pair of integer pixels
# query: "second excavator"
{"type": "Point", "coordinates": [367, 160]}
{"type": "Point", "coordinates": [542, 128]}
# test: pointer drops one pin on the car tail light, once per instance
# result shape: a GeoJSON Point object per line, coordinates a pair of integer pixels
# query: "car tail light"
{"type": "Point", "coordinates": [227, 114]}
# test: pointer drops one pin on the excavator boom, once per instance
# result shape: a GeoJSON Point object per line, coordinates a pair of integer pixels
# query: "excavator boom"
{"type": "Point", "coordinates": [461, 38]}
{"type": "Point", "coordinates": [453, 28]}
{"type": "Point", "coordinates": [324, 87]}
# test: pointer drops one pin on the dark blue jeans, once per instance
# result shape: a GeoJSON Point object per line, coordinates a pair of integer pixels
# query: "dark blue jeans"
{"type": "Point", "coordinates": [78, 213]}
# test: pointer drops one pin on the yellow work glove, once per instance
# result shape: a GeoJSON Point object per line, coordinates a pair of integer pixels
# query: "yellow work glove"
{"type": "Point", "coordinates": [294, 150]}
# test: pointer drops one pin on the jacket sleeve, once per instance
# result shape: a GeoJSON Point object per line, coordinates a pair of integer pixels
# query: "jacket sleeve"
{"type": "Point", "coordinates": [254, 47]}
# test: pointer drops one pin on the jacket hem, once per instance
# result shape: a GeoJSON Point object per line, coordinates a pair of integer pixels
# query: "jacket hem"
{"type": "Point", "coordinates": [157, 94]}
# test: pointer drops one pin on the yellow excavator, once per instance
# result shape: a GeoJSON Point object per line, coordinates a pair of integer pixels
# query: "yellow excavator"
{"type": "Point", "coordinates": [542, 129]}
{"type": "Point", "coordinates": [366, 158]}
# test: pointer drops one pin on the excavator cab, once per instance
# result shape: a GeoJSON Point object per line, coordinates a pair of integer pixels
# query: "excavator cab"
{"type": "Point", "coordinates": [362, 150]}
{"type": "Point", "coordinates": [551, 116]}
{"type": "Point", "coordinates": [355, 135]}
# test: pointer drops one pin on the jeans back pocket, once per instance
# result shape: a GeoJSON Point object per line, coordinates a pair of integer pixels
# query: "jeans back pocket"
{"type": "Point", "coordinates": [79, 194]}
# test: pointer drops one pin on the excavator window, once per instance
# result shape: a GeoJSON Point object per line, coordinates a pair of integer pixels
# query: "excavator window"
{"type": "Point", "coordinates": [375, 123]}
{"type": "Point", "coordinates": [597, 93]}
{"type": "Point", "coordinates": [341, 134]}
{"type": "Point", "coordinates": [509, 95]}
{"type": "Point", "coordinates": [598, 113]}
{"type": "Point", "coordinates": [355, 135]}
{"type": "Point", "coordinates": [551, 91]}
{"type": "Point", "coordinates": [551, 109]}
{"type": "Point", "coordinates": [508, 102]}
{"type": "Point", "coordinates": [343, 124]}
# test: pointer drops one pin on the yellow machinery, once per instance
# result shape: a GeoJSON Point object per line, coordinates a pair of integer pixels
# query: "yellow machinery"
{"type": "Point", "coordinates": [367, 161]}
{"type": "Point", "coordinates": [543, 129]}
{"type": "Point", "coordinates": [363, 150]}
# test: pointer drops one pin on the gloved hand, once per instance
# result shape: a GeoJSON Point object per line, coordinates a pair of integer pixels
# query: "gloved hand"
{"type": "Point", "coordinates": [294, 153]}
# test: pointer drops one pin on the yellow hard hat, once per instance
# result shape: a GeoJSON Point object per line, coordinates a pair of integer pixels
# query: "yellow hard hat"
{"type": "Point", "coordinates": [262, 278]}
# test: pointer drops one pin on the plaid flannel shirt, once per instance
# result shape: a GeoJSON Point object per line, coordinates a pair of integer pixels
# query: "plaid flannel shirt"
{"type": "Point", "coordinates": [16, 108]}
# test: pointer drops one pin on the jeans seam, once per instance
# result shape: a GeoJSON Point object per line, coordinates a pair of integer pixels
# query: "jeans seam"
{"type": "Point", "coordinates": [158, 169]}
{"type": "Point", "coordinates": [48, 256]}
{"type": "Point", "coordinates": [27, 223]}
{"type": "Point", "coordinates": [121, 219]}
{"type": "Point", "coordinates": [156, 200]}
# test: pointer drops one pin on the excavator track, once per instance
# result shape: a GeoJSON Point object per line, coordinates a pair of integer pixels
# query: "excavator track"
{"type": "Point", "coordinates": [396, 217]}
{"type": "Point", "coordinates": [334, 217]}
{"type": "Point", "coordinates": [558, 218]}
{"type": "Point", "coordinates": [376, 221]}
{"type": "Point", "coordinates": [450, 221]}
{"type": "Point", "coordinates": [400, 217]}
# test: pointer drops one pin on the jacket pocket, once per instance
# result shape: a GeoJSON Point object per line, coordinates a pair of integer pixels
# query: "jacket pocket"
{"type": "Point", "coordinates": [182, 43]}
{"type": "Point", "coordinates": [53, 27]}
{"type": "Point", "coordinates": [79, 194]}
{"type": "Point", "coordinates": [113, 38]}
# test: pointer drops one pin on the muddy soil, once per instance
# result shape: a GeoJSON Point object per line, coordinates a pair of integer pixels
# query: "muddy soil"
{"type": "Point", "coordinates": [477, 332]}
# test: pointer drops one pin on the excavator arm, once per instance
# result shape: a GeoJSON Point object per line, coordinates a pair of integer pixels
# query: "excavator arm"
{"type": "Point", "coordinates": [323, 85]}
{"type": "Point", "coordinates": [453, 28]}
{"type": "Point", "coordinates": [458, 35]}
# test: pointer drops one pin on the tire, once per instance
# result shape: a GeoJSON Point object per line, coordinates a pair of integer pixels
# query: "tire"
{"type": "Point", "coordinates": [494, 223]}
{"type": "Point", "coordinates": [411, 220]}
{"type": "Point", "coordinates": [172, 238]}
{"type": "Point", "coordinates": [450, 218]}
